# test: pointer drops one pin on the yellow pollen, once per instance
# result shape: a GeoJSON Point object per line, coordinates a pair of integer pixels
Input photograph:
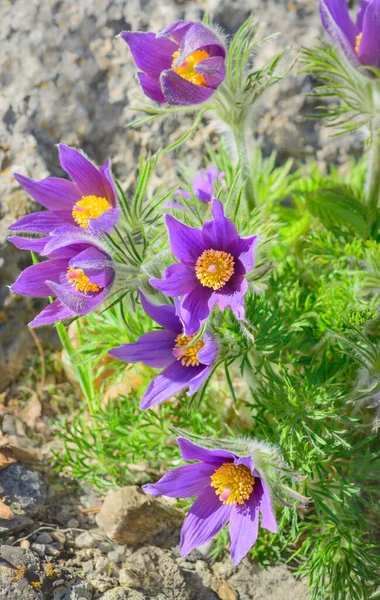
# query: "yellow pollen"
{"type": "Point", "coordinates": [214, 268]}
{"type": "Point", "coordinates": [233, 483]}
{"type": "Point", "coordinates": [79, 280]}
{"type": "Point", "coordinates": [358, 42]}
{"type": "Point", "coordinates": [187, 68]}
{"type": "Point", "coordinates": [89, 207]}
{"type": "Point", "coordinates": [186, 353]}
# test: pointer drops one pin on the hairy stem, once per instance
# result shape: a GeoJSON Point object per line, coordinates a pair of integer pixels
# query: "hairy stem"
{"type": "Point", "coordinates": [372, 192]}
{"type": "Point", "coordinates": [245, 166]}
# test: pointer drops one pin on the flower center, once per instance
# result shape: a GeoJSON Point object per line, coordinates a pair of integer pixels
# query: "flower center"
{"type": "Point", "coordinates": [187, 68]}
{"type": "Point", "coordinates": [187, 354]}
{"type": "Point", "coordinates": [89, 207]}
{"type": "Point", "coordinates": [214, 268]}
{"type": "Point", "coordinates": [233, 483]}
{"type": "Point", "coordinates": [79, 280]}
{"type": "Point", "coordinates": [358, 42]}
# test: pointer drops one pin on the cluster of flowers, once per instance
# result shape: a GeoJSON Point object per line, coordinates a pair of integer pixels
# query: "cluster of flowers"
{"type": "Point", "coordinates": [182, 65]}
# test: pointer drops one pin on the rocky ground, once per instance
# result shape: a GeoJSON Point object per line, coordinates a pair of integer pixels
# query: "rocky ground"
{"type": "Point", "coordinates": [65, 77]}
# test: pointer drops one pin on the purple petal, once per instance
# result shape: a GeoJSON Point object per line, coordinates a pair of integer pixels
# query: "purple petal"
{"type": "Point", "coordinates": [105, 171]}
{"type": "Point", "coordinates": [200, 37]}
{"type": "Point", "coordinates": [207, 516]}
{"type": "Point", "coordinates": [203, 184]}
{"type": "Point", "coordinates": [186, 242]}
{"type": "Point", "coordinates": [92, 259]}
{"type": "Point", "coordinates": [42, 222]}
{"type": "Point", "coordinates": [176, 30]}
{"type": "Point", "coordinates": [56, 311]}
{"type": "Point", "coordinates": [361, 12]}
{"type": "Point", "coordinates": [54, 192]}
{"type": "Point", "coordinates": [212, 69]}
{"type": "Point", "coordinates": [220, 233]}
{"type": "Point", "coordinates": [208, 354]}
{"type": "Point", "coordinates": [244, 526]}
{"type": "Point", "coordinates": [71, 236]}
{"type": "Point", "coordinates": [171, 381]}
{"type": "Point", "coordinates": [154, 349]}
{"type": "Point", "coordinates": [179, 280]}
{"type": "Point", "coordinates": [369, 50]}
{"type": "Point", "coordinates": [181, 92]}
{"type": "Point", "coordinates": [194, 309]}
{"type": "Point", "coordinates": [196, 383]}
{"type": "Point", "coordinates": [151, 88]}
{"type": "Point", "coordinates": [342, 32]}
{"type": "Point", "coordinates": [78, 302]}
{"type": "Point", "coordinates": [32, 281]}
{"type": "Point", "coordinates": [164, 315]}
{"type": "Point", "coordinates": [228, 297]}
{"type": "Point", "coordinates": [90, 180]}
{"type": "Point", "coordinates": [182, 482]}
{"type": "Point", "coordinates": [151, 54]}
{"type": "Point", "coordinates": [191, 451]}
{"type": "Point", "coordinates": [268, 519]}
{"type": "Point", "coordinates": [33, 244]}
{"type": "Point", "coordinates": [244, 249]}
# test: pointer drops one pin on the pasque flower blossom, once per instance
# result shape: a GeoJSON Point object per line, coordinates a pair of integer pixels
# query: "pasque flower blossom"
{"type": "Point", "coordinates": [88, 201]}
{"type": "Point", "coordinates": [228, 488]}
{"type": "Point", "coordinates": [79, 272]}
{"type": "Point", "coordinates": [181, 65]}
{"type": "Point", "coordinates": [359, 41]}
{"type": "Point", "coordinates": [213, 264]}
{"type": "Point", "coordinates": [203, 185]}
{"type": "Point", "coordinates": [186, 364]}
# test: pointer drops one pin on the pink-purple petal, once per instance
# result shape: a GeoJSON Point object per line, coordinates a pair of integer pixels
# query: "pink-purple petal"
{"type": "Point", "coordinates": [172, 380]}
{"type": "Point", "coordinates": [183, 482]}
{"type": "Point", "coordinates": [195, 309]}
{"type": "Point", "coordinates": [54, 193]}
{"type": "Point", "coordinates": [32, 281]}
{"type": "Point", "coordinates": [244, 526]}
{"type": "Point", "coordinates": [208, 354]}
{"type": "Point", "coordinates": [369, 50]}
{"type": "Point", "coordinates": [196, 382]}
{"type": "Point", "coordinates": [176, 30]}
{"type": "Point", "coordinates": [206, 517]}
{"type": "Point", "coordinates": [151, 54]}
{"type": "Point", "coordinates": [221, 232]}
{"type": "Point", "coordinates": [31, 244]}
{"type": "Point", "coordinates": [244, 250]}
{"type": "Point", "coordinates": [181, 92]}
{"type": "Point", "coordinates": [268, 519]}
{"type": "Point", "coordinates": [186, 242]}
{"type": "Point", "coordinates": [42, 222]}
{"type": "Point", "coordinates": [179, 280]}
{"type": "Point", "coordinates": [344, 38]}
{"type": "Point", "coordinates": [56, 311]}
{"type": "Point", "coordinates": [212, 69]}
{"type": "Point", "coordinates": [151, 88]}
{"type": "Point", "coordinates": [191, 451]}
{"type": "Point", "coordinates": [200, 37]}
{"type": "Point", "coordinates": [89, 179]}
{"type": "Point", "coordinates": [154, 349]}
{"type": "Point", "coordinates": [164, 315]}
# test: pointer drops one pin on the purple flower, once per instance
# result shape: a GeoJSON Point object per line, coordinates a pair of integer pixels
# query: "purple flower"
{"type": "Point", "coordinates": [212, 268]}
{"type": "Point", "coordinates": [359, 41]}
{"type": "Point", "coordinates": [88, 201]}
{"type": "Point", "coordinates": [229, 488]}
{"type": "Point", "coordinates": [79, 271]}
{"type": "Point", "coordinates": [181, 65]}
{"type": "Point", "coordinates": [185, 365]}
{"type": "Point", "coordinates": [203, 185]}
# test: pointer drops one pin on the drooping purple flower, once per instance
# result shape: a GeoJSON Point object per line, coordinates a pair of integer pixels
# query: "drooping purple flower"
{"type": "Point", "coordinates": [213, 264]}
{"type": "Point", "coordinates": [88, 201]}
{"type": "Point", "coordinates": [79, 272]}
{"type": "Point", "coordinates": [204, 184]}
{"type": "Point", "coordinates": [359, 41]}
{"type": "Point", "coordinates": [185, 364]}
{"type": "Point", "coordinates": [228, 488]}
{"type": "Point", "coordinates": [181, 65]}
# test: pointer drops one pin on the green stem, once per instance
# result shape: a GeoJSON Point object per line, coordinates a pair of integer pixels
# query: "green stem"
{"type": "Point", "coordinates": [245, 166]}
{"type": "Point", "coordinates": [372, 195]}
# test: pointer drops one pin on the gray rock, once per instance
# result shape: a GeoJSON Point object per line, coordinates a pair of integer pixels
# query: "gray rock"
{"type": "Point", "coordinates": [89, 539]}
{"type": "Point", "coordinates": [17, 524]}
{"type": "Point", "coordinates": [78, 590]}
{"type": "Point", "coordinates": [39, 548]}
{"type": "Point", "coordinates": [130, 517]}
{"type": "Point", "coordinates": [120, 593]}
{"type": "Point", "coordinates": [44, 538]}
{"type": "Point", "coordinates": [24, 489]}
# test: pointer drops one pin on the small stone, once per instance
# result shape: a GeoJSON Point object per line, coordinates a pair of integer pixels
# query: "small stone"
{"type": "Point", "coordinates": [102, 585]}
{"type": "Point", "coordinates": [15, 525]}
{"type": "Point", "coordinates": [72, 523]}
{"type": "Point", "coordinates": [44, 538]}
{"type": "Point", "coordinates": [128, 579]}
{"type": "Point", "coordinates": [120, 593]}
{"type": "Point", "coordinates": [102, 564]}
{"type": "Point", "coordinates": [117, 554]}
{"type": "Point", "coordinates": [25, 544]}
{"type": "Point", "coordinates": [79, 590]}
{"type": "Point", "coordinates": [24, 489]}
{"type": "Point", "coordinates": [225, 592]}
{"type": "Point", "coordinates": [52, 550]}
{"type": "Point", "coordinates": [59, 536]}
{"type": "Point", "coordinates": [39, 548]}
{"type": "Point", "coordinates": [89, 539]}
{"type": "Point", "coordinates": [128, 516]}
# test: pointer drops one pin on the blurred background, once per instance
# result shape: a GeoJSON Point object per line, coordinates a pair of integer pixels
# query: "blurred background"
{"type": "Point", "coordinates": [66, 77]}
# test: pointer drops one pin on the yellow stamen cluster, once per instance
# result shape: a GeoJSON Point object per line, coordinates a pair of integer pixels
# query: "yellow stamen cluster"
{"type": "Point", "coordinates": [89, 207]}
{"type": "Point", "coordinates": [79, 280]}
{"type": "Point", "coordinates": [187, 68]}
{"type": "Point", "coordinates": [214, 268]}
{"type": "Point", "coordinates": [358, 42]}
{"type": "Point", "coordinates": [186, 353]}
{"type": "Point", "coordinates": [233, 483]}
